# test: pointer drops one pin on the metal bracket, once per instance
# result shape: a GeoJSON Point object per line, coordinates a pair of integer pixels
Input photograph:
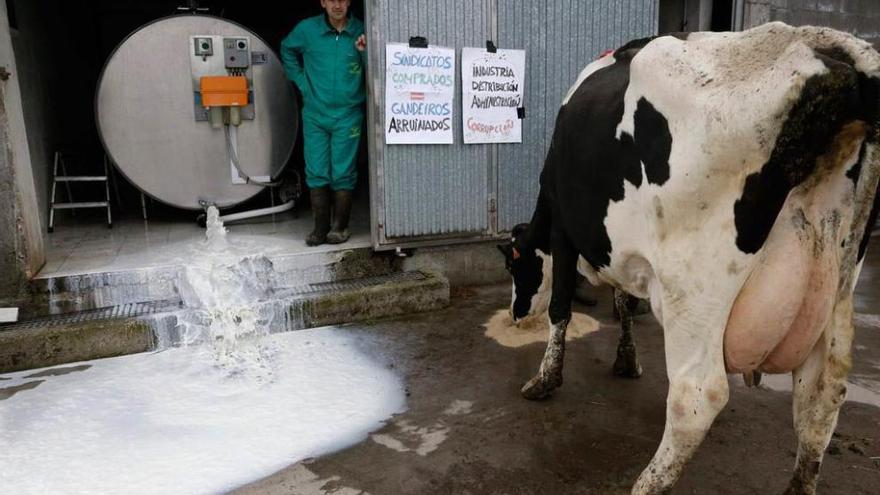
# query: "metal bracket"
{"type": "Point", "coordinates": [403, 253]}
{"type": "Point", "coordinates": [192, 6]}
{"type": "Point", "coordinates": [259, 58]}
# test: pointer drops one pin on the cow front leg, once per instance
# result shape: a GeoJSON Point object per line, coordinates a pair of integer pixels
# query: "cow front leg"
{"type": "Point", "coordinates": [819, 389]}
{"type": "Point", "coordinates": [549, 375]}
{"type": "Point", "coordinates": [627, 363]}
{"type": "Point", "coordinates": [698, 391]}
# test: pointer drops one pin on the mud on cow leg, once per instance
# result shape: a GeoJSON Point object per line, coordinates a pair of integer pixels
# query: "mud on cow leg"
{"type": "Point", "coordinates": [627, 364]}
{"type": "Point", "coordinates": [819, 389]}
{"type": "Point", "coordinates": [549, 375]}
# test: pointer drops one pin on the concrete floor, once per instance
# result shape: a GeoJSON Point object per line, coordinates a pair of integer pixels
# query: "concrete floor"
{"type": "Point", "coordinates": [468, 431]}
{"type": "Point", "coordinates": [84, 244]}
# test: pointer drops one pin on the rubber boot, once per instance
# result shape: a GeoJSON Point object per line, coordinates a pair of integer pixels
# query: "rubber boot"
{"type": "Point", "coordinates": [341, 213]}
{"type": "Point", "coordinates": [321, 213]}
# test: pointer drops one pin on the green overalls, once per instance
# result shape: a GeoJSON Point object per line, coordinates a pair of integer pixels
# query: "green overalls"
{"type": "Point", "coordinates": [328, 70]}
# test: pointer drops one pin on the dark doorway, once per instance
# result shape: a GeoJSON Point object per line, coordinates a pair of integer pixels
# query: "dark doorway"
{"type": "Point", "coordinates": [88, 32]}
{"type": "Point", "coordinates": [695, 15]}
{"type": "Point", "coordinates": [722, 15]}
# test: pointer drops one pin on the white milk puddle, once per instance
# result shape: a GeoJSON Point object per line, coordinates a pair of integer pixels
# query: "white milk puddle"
{"type": "Point", "coordinates": [235, 406]}
{"type": "Point", "coordinates": [854, 391]}
{"type": "Point", "coordinates": [422, 440]}
{"type": "Point", "coordinates": [866, 320]}
{"type": "Point", "coordinates": [174, 423]}
{"type": "Point", "coordinates": [309, 483]}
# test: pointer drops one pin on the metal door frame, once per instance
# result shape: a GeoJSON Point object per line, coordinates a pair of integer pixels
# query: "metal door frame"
{"type": "Point", "coordinates": [376, 148]}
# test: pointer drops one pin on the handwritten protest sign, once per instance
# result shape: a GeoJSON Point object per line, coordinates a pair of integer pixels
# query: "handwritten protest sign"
{"type": "Point", "coordinates": [419, 89]}
{"type": "Point", "coordinates": [492, 90]}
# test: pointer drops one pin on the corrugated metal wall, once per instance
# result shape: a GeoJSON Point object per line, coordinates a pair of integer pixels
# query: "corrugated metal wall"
{"type": "Point", "coordinates": [560, 38]}
{"type": "Point", "coordinates": [433, 189]}
{"type": "Point", "coordinates": [430, 191]}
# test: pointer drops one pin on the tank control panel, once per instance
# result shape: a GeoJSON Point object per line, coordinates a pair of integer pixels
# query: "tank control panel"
{"type": "Point", "coordinates": [204, 47]}
{"type": "Point", "coordinates": [236, 53]}
{"type": "Point", "coordinates": [235, 64]}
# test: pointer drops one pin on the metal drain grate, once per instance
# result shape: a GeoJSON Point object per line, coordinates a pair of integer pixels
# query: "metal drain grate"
{"type": "Point", "coordinates": [354, 284]}
{"type": "Point", "coordinates": [130, 310]}
{"type": "Point", "coordinates": [133, 310]}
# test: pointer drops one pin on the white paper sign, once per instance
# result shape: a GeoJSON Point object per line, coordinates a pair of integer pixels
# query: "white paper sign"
{"type": "Point", "coordinates": [419, 91]}
{"type": "Point", "coordinates": [492, 90]}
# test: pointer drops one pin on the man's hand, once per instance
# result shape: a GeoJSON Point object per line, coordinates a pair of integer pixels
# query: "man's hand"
{"type": "Point", "coordinates": [361, 43]}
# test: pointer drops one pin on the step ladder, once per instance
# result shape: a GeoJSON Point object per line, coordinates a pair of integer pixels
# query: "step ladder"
{"type": "Point", "coordinates": [59, 162]}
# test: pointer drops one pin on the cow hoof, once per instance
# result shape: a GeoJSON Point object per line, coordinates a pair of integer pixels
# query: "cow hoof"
{"type": "Point", "coordinates": [796, 489]}
{"type": "Point", "coordinates": [627, 368]}
{"type": "Point", "coordinates": [540, 387]}
{"type": "Point", "coordinates": [627, 363]}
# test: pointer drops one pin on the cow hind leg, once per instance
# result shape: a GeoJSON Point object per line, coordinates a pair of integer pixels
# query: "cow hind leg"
{"type": "Point", "coordinates": [627, 363]}
{"type": "Point", "coordinates": [819, 389]}
{"type": "Point", "coordinates": [549, 375]}
{"type": "Point", "coordinates": [698, 391]}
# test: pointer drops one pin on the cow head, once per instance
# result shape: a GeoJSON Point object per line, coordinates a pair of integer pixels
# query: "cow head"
{"type": "Point", "coordinates": [531, 269]}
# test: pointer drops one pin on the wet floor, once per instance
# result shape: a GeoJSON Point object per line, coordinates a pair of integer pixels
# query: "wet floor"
{"type": "Point", "coordinates": [85, 244]}
{"type": "Point", "coordinates": [468, 431]}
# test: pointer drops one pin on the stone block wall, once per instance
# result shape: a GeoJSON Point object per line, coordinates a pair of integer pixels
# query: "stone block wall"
{"type": "Point", "coordinates": [860, 17]}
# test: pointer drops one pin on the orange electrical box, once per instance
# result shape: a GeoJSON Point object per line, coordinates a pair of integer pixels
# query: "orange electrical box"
{"type": "Point", "coordinates": [224, 91]}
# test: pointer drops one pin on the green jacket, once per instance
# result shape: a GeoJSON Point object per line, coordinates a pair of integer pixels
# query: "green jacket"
{"type": "Point", "coordinates": [325, 65]}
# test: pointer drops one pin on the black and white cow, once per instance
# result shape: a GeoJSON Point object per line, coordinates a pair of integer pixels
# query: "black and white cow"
{"type": "Point", "coordinates": [728, 177]}
{"type": "Point", "coordinates": [533, 277]}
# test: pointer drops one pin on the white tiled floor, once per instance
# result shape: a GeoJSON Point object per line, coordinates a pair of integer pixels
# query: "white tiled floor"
{"type": "Point", "coordinates": [81, 246]}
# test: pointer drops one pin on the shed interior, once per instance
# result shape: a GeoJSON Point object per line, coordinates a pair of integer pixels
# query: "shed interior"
{"type": "Point", "coordinates": [60, 49]}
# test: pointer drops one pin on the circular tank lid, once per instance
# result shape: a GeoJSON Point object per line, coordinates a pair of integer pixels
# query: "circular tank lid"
{"type": "Point", "coordinates": [146, 115]}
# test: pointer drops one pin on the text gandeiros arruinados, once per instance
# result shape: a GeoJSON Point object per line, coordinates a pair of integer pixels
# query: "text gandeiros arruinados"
{"type": "Point", "coordinates": [424, 85]}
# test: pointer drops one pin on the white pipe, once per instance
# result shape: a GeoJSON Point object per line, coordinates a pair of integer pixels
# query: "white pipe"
{"type": "Point", "coordinates": [232, 148]}
{"type": "Point", "coordinates": [239, 177]}
{"type": "Point", "coordinates": [258, 213]}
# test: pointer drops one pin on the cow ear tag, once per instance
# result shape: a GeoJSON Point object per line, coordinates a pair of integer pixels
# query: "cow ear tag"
{"type": "Point", "coordinates": [515, 254]}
